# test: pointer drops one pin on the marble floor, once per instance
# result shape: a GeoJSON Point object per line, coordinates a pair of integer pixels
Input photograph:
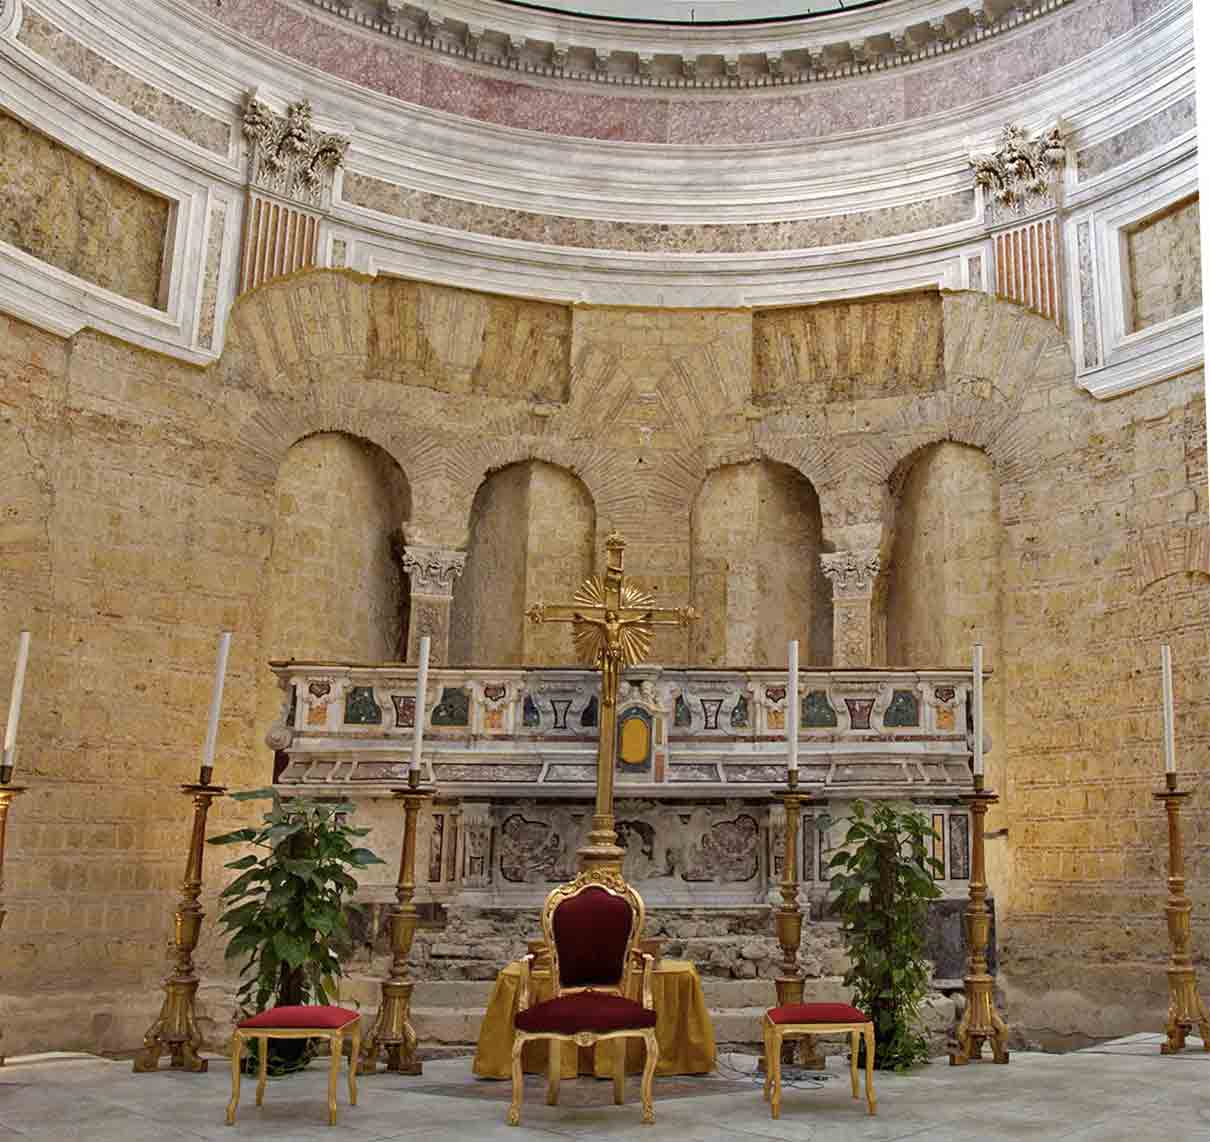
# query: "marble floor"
{"type": "Point", "coordinates": [1119, 1090]}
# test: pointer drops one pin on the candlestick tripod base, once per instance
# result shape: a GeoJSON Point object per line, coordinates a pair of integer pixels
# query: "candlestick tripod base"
{"type": "Point", "coordinates": [981, 1022]}
{"type": "Point", "coordinates": [1185, 1007]}
{"type": "Point", "coordinates": [7, 793]}
{"type": "Point", "coordinates": [175, 1032]}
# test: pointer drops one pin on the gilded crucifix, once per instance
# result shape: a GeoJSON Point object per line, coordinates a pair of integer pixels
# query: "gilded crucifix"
{"type": "Point", "coordinates": [612, 628]}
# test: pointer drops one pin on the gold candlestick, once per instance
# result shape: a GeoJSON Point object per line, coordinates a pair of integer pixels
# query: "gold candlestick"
{"type": "Point", "coordinates": [392, 1032]}
{"type": "Point", "coordinates": [980, 1022]}
{"type": "Point", "coordinates": [175, 1031]}
{"type": "Point", "coordinates": [1185, 1007]}
{"type": "Point", "coordinates": [7, 794]}
{"type": "Point", "coordinates": [788, 920]}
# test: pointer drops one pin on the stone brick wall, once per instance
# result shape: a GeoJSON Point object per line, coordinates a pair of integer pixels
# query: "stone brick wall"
{"type": "Point", "coordinates": [334, 586]}
{"type": "Point", "coordinates": [489, 596]}
{"type": "Point", "coordinates": [80, 217]}
{"type": "Point", "coordinates": [755, 566]}
{"type": "Point", "coordinates": [561, 552]}
{"type": "Point", "coordinates": [532, 539]}
{"type": "Point", "coordinates": [1164, 258]}
{"type": "Point", "coordinates": [157, 488]}
{"type": "Point", "coordinates": [946, 578]}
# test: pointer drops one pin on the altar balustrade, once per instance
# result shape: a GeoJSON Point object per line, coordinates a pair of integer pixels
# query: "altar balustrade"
{"type": "Point", "coordinates": [512, 752]}
{"type": "Point", "coordinates": [680, 731]}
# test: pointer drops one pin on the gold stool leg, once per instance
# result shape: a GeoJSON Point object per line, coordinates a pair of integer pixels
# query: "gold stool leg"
{"type": "Point", "coordinates": [354, 1055]}
{"type": "Point", "coordinates": [774, 1065]}
{"type": "Point", "coordinates": [871, 1100]}
{"type": "Point", "coordinates": [333, 1074]}
{"type": "Point", "coordinates": [767, 1036]}
{"type": "Point", "coordinates": [854, 1051]}
{"type": "Point", "coordinates": [514, 1110]}
{"type": "Point", "coordinates": [237, 1044]}
{"type": "Point", "coordinates": [263, 1070]}
{"type": "Point", "coordinates": [554, 1070]}
{"type": "Point", "coordinates": [619, 1071]}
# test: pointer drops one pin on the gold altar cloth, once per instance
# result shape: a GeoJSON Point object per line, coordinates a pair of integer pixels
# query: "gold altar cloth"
{"type": "Point", "coordinates": [682, 1027]}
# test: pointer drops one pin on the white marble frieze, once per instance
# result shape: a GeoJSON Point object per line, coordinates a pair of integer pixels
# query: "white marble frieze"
{"type": "Point", "coordinates": [682, 732]}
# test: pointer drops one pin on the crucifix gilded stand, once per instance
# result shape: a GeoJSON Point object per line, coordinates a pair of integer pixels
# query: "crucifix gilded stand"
{"type": "Point", "coordinates": [612, 625]}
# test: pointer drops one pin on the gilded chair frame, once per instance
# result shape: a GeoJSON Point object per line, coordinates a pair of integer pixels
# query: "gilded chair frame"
{"type": "Point", "coordinates": [335, 1037]}
{"type": "Point", "coordinates": [612, 883]}
{"type": "Point", "coordinates": [776, 1033]}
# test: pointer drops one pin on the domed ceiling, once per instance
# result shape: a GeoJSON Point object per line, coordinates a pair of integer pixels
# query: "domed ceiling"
{"type": "Point", "coordinates": [699, 11]}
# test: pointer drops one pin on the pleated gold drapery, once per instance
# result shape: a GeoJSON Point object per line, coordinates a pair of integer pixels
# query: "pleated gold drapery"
{"type": "Point", "coordinates": [683, 1028]}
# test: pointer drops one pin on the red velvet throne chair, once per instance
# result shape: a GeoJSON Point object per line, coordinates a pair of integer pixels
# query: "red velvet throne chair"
{"type": "Point", "coordinates": [592, 927]}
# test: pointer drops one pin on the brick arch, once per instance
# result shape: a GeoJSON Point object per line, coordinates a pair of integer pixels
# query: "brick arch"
{"type": "Point", "coordinates": [990, 424]}
{"type": "Point", "coordinates": [1177, 551]}
{"type": "Point", "coordinates": [527, 436]}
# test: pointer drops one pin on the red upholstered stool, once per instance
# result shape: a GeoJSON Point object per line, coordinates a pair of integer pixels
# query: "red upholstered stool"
{"type": "Point", "coordinates": [817, 1019]}
{"type": "Point", "coordinates": [301, 1022]}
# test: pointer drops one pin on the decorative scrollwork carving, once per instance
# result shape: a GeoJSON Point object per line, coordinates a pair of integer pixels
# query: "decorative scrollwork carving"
{"type": "Point", "coordinates": [851, 572]}
{"type": "Point", "coordinates": [1021, 169]}
{"type": "Point", "coordinates": [432, 570]}
{"type": "Point", "coordinates": [288, 156]}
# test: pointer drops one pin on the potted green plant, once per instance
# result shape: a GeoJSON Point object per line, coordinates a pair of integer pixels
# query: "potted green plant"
{"type": "Point", "coordinates": [287, 910]}
{"type": "Point", "coordinates": [883, 879]}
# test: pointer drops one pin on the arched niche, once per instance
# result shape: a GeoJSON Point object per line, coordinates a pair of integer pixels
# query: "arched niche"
{"type": "Point", "coordinates": [335, 587]}
{"type": "Point", "coordinates": [756, 578]}
{"type": "Point", "coordinates": [532, 530]}
{"type": "Point", "coordinates": [943, 590]}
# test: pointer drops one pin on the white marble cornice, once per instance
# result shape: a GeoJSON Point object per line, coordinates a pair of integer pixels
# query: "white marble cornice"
{"type": "Point", "coordinates": [783, 53]}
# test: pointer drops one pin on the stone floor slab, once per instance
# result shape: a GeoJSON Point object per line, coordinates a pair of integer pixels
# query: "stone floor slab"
{"type": "Point", "coordinates": [1121, 1090]}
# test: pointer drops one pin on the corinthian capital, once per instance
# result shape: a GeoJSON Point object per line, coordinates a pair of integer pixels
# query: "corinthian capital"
{"type": "Point", "coordinates": [287, 156]}
{"type": "Point", "coordinates": [432, 570]}
{"type": "Point", "coordinates": [851, 572]}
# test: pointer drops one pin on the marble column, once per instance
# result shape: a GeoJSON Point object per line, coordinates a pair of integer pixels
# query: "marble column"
{"type": "Point", "coordinates": [431, 573]}
{"type": "Point", "coordinates": [855, 625]}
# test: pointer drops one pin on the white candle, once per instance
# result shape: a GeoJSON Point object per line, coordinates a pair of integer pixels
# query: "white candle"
{"type": "Point", "coordinates": [978, 711]}
{"type": "Point", "coordinates": [14, 705]}
{"type": "Point", "coordinates": [1169, 730]}
{"type": "Point", "coordinates": [422, 681]}
{"type": "Point", "coordinates": [792, 707]}
{"type": "Point", "coordinates": [216, 700]}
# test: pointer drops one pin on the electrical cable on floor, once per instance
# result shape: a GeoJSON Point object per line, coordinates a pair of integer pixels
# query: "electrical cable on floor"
{"type": "Point", "coordinates": [795, 1077]}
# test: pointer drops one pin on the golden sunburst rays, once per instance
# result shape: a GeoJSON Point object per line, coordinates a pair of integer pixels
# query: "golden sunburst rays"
{"type": "Point", "coordinates": [624, 638]}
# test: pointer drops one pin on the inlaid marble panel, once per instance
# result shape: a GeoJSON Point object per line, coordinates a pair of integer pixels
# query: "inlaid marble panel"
{"type": "Point", "coordinates": [601, 234]}
{"type": "Point", "coordinates": [58, 47]}
{"type": "Point", "coordinates": [1137, 140]}
{"type": "Point", "coordinates": [570, 107]}
{"type": "Point", "coordinates": [214, 257]}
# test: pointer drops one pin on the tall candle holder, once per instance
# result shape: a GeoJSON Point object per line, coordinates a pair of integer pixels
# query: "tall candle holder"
{"type": "Point", "coordinates": [175, 1031]}
{"type": "Point", "coordinates": [7, 795]}
{"type": "Point", "coordinates": [788, 921]}
{"type": "Point", "coordinates": [392, 1033]}
{"type": "Point", "coordinates": [980, 1022]}
{"type": "Point", "coordinates": [1185, 1007]}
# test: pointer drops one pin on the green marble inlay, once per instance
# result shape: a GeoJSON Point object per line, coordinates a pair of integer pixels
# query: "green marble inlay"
{"type": "Point", "coordinates": [904, 710]}
{"type": "Point", "coordinates": [739, 715]}
{"type": "Point", "coordinates": [530, 716]}
{"type": "Point", "coordinates": [588, 718]}
{"type": "Point", "coordinates": [360, 707]}
{"type": "Point", "coordinates": [817, 711]}
{"type": "Point", "coordinates": [454, 709]}
{"type": "Point", "coordinates": [681, 716]}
